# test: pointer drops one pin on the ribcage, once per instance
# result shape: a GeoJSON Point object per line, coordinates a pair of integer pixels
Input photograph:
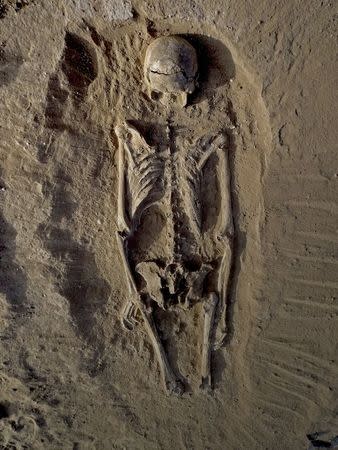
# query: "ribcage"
{"type": "Point", "coordinates": [143, 172]}
{"type": "Point", "coordinates": [207, 151]}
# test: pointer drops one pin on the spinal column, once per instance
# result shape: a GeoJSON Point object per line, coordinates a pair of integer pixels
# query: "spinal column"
{"type": "Point", "coordinates": [182, 237]}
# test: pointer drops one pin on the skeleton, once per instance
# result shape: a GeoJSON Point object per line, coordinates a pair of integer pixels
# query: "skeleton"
{"type": "Point", "coordinates": [171, 179]}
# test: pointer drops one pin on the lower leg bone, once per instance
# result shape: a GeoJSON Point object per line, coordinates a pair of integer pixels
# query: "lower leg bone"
{"type": "Point", "coordinates": [172, 384]}
{"type": "Point", "coordinates": [208, 336]}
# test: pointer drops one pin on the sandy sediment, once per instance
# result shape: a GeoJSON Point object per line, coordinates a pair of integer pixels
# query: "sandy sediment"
{"type": "Point", "coordinates": [71, 376]}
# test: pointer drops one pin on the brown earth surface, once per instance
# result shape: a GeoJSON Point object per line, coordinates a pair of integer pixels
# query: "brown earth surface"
{"type": "Point", "coordinates": [71, 377]}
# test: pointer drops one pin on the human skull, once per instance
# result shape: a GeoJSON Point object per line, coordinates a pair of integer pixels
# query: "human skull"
{"type": "Point", "coordinates": [170, 68]}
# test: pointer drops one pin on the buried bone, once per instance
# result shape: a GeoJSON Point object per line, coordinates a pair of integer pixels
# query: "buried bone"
{"type": "Point", "coordinates": [170, 68]}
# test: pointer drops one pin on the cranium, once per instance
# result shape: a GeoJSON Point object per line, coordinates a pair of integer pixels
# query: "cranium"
{"type": "Point", "coordinates": [170, 68]}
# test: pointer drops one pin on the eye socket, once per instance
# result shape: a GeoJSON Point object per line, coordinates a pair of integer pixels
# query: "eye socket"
{"type": "Point", "coordinates": [156, 96]}
{"type": "Point", "coordinates": [194, 264]}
